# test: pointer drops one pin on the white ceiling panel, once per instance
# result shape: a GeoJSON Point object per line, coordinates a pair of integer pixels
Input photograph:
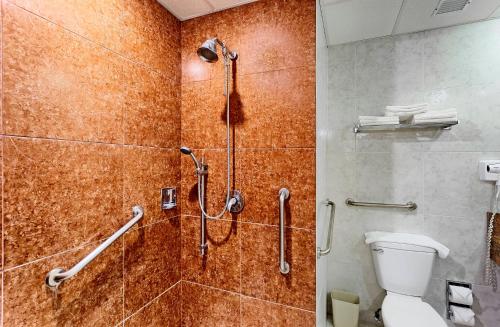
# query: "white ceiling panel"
{"type": "Point", "coordinates": [187, 9]}
{"type": "Point", "coordinates": [224, 4]}
{"type": "Point", "coordinates": [416, 15]}
{"type": "Point", "coordinates": [353, 20]}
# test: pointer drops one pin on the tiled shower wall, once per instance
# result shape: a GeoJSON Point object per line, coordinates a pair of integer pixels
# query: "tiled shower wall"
{"type": "Point", "coordinates": [273, 133]}
{"type": "Point", "coordinates": [90, 127]}
{"type": "Point", "coordinates": [455, 67]}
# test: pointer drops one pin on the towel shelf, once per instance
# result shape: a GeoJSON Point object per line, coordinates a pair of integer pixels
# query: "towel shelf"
{"type": "Point", "coordinates": [390, 128]}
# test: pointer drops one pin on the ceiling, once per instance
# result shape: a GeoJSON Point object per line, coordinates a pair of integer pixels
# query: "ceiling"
{"type": "Point", "coordinates": [353, 20]}
{"type": "Point", "coordinates": [187, 9]}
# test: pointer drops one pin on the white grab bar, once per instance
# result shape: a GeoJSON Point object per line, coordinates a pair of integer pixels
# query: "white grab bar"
{"type": "Point", "coordinates": [284, 266]}
{"type": "Point", "coordinates": [57, 275]}
{"type": "Point", "coordinates": [322, 252]}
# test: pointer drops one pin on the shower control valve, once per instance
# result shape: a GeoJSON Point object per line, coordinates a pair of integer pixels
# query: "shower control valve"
{"type": "Point", "coordinates": [239, 202]}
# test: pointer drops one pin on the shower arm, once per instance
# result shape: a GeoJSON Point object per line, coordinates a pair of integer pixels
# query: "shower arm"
{"type": "Point", "coordinates": [226, 52]}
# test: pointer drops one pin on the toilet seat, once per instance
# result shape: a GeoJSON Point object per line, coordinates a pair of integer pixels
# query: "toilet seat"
{"type": "Point", "coordinates": [409, 311]}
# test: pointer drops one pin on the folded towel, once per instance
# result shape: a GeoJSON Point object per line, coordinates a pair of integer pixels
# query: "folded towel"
{"type": "Point", "coordinates": [435, 121]}
{"type": "Point", "coordinates": [449, 113]}
{"type": "Point", "coordinates": [370, 123]}
{"type": "Point", "coordinates": [377, 118]}
{"type": "Point", "coordinates": [405, 113]}
{"type": "Point", "coordinates": [403, 238]}
{"type": "Point", "coordinates": [408, 108]}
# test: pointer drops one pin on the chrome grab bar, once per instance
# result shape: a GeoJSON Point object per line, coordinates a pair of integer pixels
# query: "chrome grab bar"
{"type": "Point", "coordinates": [322, 252]}
{"type": "Point", "coordinates": [410, 205]}
{"type": "Point", "coordinates": [284, 266]}
{"type": "Point", "coordinates": [57, 275]}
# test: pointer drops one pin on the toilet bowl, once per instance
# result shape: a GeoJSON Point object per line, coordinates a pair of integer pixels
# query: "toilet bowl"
{"type": "Point", "coordinates": [409, 311]}
{"type": "Point", "coordinates": [403, 266]}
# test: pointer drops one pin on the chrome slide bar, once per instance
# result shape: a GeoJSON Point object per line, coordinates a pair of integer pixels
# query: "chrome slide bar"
{"type": "Point", "coordinates": [284, 266]}
{"type": "Point", "coordinates": [410, 205]}
{"type": "Point", "coordinates": [322, 252]}
{"type": "Point", "coordinates": [57, 275]}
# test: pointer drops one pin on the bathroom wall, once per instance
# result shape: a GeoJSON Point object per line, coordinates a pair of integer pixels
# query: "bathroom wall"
{"type": "Point", "coordinates": [90, 126]}
{"type": "Point", "coordinates": [273, 133]}
{"type": "Point", "coordinates": [454, 67]}
{"type": "Point", "coordinates": [321, 165]}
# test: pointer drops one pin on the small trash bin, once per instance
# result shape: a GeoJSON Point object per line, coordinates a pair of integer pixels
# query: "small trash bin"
{"type": "Point", "coordinates": [345, 308]}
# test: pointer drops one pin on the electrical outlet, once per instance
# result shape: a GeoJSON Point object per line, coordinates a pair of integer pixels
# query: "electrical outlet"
{"type": "Point", "coordinates": [489, 170]}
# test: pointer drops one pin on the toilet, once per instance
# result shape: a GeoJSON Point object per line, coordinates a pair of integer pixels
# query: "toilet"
{"type": "Point", "coordinates": [403, 265]}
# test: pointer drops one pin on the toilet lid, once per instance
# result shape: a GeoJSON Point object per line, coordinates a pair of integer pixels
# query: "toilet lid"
{"type": "Point", "coordinates": [409, 311]}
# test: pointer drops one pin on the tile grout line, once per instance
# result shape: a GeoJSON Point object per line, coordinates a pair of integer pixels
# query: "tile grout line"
{"type": "Point", "coordinates": [240, 149]}
{"type": "Point", "coordinates": [250, 74]}
{"type": "Point", "coordinates": [150, 302]}
{"type": "Point", "coordinates": [130, 60]}
{"type": "Point", "coordinates": [258, 224]}
{"type": "Point", "coordinates": [247, 296]}
{"type": "Point", "coordinates": [2, 165]}
{"type": "Point", "coordinates": [80, 246]}
{"type": "Point", "coordinates": [57, 139]}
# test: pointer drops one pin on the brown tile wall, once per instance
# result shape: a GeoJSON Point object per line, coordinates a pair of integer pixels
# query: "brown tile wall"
{"type": "Point", "coordinates": [273, 114]}
{"type": "Point", "coordinates": [90, 126]}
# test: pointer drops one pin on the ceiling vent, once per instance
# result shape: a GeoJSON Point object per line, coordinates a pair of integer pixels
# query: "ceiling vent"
{"type": "Point", "coordinates": [447, 6]}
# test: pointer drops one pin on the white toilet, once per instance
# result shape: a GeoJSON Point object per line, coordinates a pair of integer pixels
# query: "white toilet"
{"type": "Point", "coordinates": [403, 265]}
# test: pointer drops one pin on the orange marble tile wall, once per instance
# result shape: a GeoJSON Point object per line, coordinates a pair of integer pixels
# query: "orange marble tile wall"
{"type": "Point", "coordinates": [90, 127]}
{"type": "Point", "coordinates": [273, 119]}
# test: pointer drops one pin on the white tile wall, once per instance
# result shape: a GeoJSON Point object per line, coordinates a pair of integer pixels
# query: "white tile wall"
{"type": "Point", "coordinates": [455, 67]}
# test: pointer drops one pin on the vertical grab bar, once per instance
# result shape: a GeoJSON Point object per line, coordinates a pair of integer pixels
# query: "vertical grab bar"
{"type": "Point", "coordinates": [284, 266]}
{"type": "Point", "coordinates": [322, 252]}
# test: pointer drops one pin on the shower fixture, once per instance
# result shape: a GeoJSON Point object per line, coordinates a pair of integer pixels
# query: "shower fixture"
{"type": "Point", "coordinates": [188, 151]}
{"type": "Point", "coordinates": [234, 200]}
{"type": "Point", "coordinates": [208, 51]}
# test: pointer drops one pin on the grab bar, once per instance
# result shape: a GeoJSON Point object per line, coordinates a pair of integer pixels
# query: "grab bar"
{"type": "Point", "coordinates": [284, 266]}
{"type": "Point", "coordinates": [322, 252]}
{"type": "Point", "coordinates": [410, 205]}
{"type": "Point", "coordinates": [57, 275]}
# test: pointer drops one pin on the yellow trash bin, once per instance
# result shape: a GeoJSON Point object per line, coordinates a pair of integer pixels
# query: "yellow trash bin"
{"type": "Point", "coordinates": [345, 308]}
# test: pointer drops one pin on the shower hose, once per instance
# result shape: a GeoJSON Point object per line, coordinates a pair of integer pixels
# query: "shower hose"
{"type": "Point", "coordinates": [229, 201]}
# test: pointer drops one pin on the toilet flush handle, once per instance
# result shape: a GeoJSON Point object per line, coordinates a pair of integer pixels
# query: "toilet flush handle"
{"type": "Point", "coordinates": [379, 251]}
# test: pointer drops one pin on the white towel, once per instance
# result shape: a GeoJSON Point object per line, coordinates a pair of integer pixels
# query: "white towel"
{"type": "Point", "coordinates": [407, 108]}
{"type": "Point", "coordinates": [377, 120]}
{"type": "Point", "coordinates": [438, 114]}
{"type": "Point", "coordinates": [405, 113]}
{"type": "Point", "coordinates": [403, 238]}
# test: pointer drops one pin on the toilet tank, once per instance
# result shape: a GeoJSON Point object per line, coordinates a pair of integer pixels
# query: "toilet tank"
{"type": "Point", "coordinates": [403, 268]}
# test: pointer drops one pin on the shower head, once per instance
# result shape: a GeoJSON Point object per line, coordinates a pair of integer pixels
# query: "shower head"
{"type": "Point", "coordinates": [188, 151]}
{"type": "Point", "coordinates": [208, 51]}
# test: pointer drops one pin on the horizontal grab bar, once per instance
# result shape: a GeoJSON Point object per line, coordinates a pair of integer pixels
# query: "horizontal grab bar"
{"type": "Point", "coordinates": [410, 205]}
{"type": "Point", "coordinates": [322, 252]}
{"type": "Point", "coordinates": [57, 275]}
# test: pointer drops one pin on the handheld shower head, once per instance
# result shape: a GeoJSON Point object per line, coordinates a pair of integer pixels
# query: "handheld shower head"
{"type": "Point", "coordinates": [188, 151]}
{"type": "Point", "coordinates": [185, 150]}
